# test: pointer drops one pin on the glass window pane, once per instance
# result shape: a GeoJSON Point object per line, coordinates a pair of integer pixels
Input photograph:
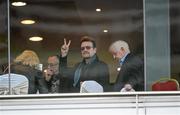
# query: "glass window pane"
{"type": "Point", "coordinates": [52, 20]}
{"type": "Point", "coordinates": [157, 40]}
{"type": "Point", "coordinates": [3, 45]}
{"type": "Point", "coordinates": [175, 41]}
{"type": "Point", "coordinates": [3, 37]}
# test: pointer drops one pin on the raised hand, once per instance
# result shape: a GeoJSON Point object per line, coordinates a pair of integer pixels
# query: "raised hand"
{"type": "Point", "coordinates": [48, 74]}
{"type": "Point", "coordinates": [65, 48]}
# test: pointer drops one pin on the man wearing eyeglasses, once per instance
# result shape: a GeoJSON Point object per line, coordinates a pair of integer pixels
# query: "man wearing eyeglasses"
{"type": "Point", "coordinates": [56, 82]}
{"type": "Point", "coordinates": [90, 68]}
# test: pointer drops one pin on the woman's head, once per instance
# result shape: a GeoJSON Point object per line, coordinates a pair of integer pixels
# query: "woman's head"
{"type": "Point", "coordinates": [27, 57]}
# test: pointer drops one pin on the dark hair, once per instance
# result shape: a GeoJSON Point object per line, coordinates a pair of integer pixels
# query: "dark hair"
{"type": "Point", "coordinates": [88, 39]}
{"type": "Point", "coordinates": [57, 56]}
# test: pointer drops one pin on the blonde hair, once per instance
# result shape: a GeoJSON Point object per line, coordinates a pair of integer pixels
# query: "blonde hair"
{"type": "Point", "coordinates": [117, 45]}
{"type": "Point", "coordinates": [27, 57]}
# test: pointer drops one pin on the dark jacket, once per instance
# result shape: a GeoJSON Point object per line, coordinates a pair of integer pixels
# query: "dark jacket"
{"type": "Point", "coordinates": [95, 70]}
{"type": "Point", "coordinates": [35, 78]}
{"type": "Point", "coordinates": [132, 72]}
{"type": "Point", "coordinates": [59, 84]}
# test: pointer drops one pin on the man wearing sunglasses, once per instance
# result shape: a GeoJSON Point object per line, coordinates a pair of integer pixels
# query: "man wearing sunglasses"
{"type": "Point", "coordinates": [90, 68]}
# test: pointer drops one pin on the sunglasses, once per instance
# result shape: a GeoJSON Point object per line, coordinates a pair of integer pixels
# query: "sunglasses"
{"type": "Point", "coordinates": [86, 47]}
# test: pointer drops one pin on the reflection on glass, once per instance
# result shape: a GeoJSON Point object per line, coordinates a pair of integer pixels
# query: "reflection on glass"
{"type": "Point", "coordinates": [3, 38]}
{"type": "Point", "coordinates": [35, 38]}
{"type": "Point", "coordinates": [72, 20]}
{"type": "Point", "coordinates": [98, 10]}
{"type": "Point", "coordinates": [27, 21]}
{"type": "Point", "coordinates": [19, 3]}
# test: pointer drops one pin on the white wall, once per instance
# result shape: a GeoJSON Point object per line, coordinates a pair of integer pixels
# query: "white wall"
{"type": "Point", "coordinates": [146, 103]}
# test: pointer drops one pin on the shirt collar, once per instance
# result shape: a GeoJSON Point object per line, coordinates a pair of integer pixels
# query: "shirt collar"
{"type": "Point", "coordinates": [91, 60]}
{"type": "Point", "coordinates": [121, 61]}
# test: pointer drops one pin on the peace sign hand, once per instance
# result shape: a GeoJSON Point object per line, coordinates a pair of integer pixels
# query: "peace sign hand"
{"type": "Point", "coordinates": [65, 48]}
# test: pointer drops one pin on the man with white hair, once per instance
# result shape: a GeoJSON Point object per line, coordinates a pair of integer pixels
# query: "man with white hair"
{"type": "Point", "coordinates": [131, 68]}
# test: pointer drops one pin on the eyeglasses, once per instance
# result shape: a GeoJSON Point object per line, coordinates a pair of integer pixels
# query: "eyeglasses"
{"type": "Point", "coordinates": [52, 65]}
{"type": "Point", "coordinates": [86, 47]}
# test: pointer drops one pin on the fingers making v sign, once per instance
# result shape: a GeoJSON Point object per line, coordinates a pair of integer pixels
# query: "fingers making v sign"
{"type": "Point", "coordinates": [65, 48]}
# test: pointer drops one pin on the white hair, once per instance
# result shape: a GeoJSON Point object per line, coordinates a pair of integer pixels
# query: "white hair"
{"type": "Point", "coordinates": [117, 45]}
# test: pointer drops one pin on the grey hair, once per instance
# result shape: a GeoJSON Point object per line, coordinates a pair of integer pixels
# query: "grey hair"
{"type": "Point", "coordinates": [117, 45]}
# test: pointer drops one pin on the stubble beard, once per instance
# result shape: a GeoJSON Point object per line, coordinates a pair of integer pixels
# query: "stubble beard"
{"type": "Point", "coordinates": [86, 55]}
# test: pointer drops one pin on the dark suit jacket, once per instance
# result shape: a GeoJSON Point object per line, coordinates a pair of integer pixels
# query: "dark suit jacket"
{"type": "Point", "coordinates": [132, 72]}
{"type": "Point", "coordinates": [35, 78]}
{"type": "Point", "coordinates": [60, 83]}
